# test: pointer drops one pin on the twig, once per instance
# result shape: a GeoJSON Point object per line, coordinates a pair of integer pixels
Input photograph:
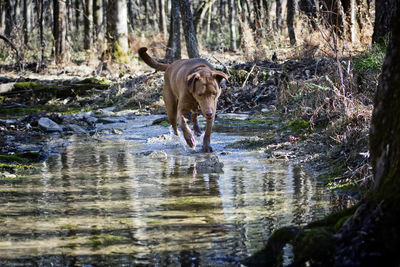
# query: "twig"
{"type": "Point", "coordinates": [19, 58]}
{"type": "Point", "coordinates": [248, 75]}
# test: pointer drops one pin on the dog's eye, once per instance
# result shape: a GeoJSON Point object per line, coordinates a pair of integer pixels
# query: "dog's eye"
{"type": "Point", "coordinates": [201, 95]}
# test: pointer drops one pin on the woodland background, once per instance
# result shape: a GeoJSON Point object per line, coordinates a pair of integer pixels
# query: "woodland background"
{"type": "Point", "coordinates": [72, 31]}
{"type": "Point", "coordinates": [319, 63]}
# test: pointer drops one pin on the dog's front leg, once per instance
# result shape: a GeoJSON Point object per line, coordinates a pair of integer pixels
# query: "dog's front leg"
{"type": "Point", "coordinates": [207, 136]}
{"type": "Point", "coordinates": [187, 133]}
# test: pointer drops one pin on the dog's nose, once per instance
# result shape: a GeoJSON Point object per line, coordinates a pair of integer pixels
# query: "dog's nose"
{"type": "Point", "coordinates": [209, 114]}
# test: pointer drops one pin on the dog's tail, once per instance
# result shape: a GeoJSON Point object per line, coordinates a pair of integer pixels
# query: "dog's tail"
{"type": "Point", "coordinates": [151, 62]}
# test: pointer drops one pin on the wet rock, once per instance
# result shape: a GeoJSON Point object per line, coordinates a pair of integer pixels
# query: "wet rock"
{"type": "Point", "coordinates": [117, 131]}
{"type": "Point", "coordinates": [154, 154]}
{"type": "Point", "coordinates": [108, 120]}
{"type": "Point", "coordinates": [76, 128]}
{"type": "Point", "coordinates": [211, 164]}
{"type": "Point", "coordinates": [158, 155]}
{"type": "Point", "coordinates": [49, 125]}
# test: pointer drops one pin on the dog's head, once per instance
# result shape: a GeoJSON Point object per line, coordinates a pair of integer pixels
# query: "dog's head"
{"type": "Point", "coordinates": [204, 85]}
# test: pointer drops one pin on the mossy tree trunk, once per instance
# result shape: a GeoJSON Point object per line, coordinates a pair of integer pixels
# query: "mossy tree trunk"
{"type": "Point", "coordinates": [378, 217]}
{"type": "Point", "coordinates": [117, 29]}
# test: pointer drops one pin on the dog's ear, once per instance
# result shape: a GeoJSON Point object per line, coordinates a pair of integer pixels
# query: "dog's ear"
{"type": "Point", "coordinates": [191, 81]}
{"type": "Point", "coordinates": [219, 76]}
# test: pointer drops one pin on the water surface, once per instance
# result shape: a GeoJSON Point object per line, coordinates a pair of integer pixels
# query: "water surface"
{"type": "Point", "coordinates": [107, 201]}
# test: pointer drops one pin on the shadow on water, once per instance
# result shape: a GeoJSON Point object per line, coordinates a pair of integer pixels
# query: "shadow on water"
{"type": "Point", "coordinates": [113, 201]}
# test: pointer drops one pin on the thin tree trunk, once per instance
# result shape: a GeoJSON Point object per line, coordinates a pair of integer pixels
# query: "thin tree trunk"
{"type": "Point", "coordinates": [77, 17]}
{"type": "Point", "coordinates": [88, 23]}
{"type": "Point", "coordinates": [98, 23]}
{"type": "Point", "coordinates": [59, 30]}
{"type": "Point", "coordinates": [278, 20]}
{"type": "Point", "coordinates": [27, 20]}
{"type": "Point", "coordinates": [162, 19]}
{"type": "Point", "coordinates": [188, 29]}
{"type": "Point", "coordinates": [232, 27]}
{"type": "Point", "coordinates": [291, 10]}
{"type": "Point", "coordinates": [130, 14]}
{"type": "Point", "coordinates": [174, 42]}
{"type": "Point", "coordinates": [9, 19]}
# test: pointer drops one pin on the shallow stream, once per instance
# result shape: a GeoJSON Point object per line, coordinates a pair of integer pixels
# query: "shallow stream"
{"type": "Point", "coordinates": [134, 196]}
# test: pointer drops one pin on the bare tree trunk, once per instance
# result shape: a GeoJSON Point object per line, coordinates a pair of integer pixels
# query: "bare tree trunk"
{"type": "Point", "coordinates": [188, 29]}
{"type": "Point", "coordinates": [2, 16]}
{"type": "Point", "coordinates": [88, 23]}
{"type": "Point", "coordinates": [27, 20]}
{"type": "Point", "coordinates": [59, 30]}
{"type": "Point", "coordinates": [41, 33]}
{"type": "Point", "coordinates": [291, 10]}
{"type": "Point", "coordinates": [77, 17]}
{"type": "Point", "coordinates": [98, 24]}
{"type": "Point", "coordinates": [384, 12]}
{"type": "Point", "coordinates": [267, 14]}
{"type": "Point", "coordinates": [278, 20]}
{"type": "Point", "coordinates": [232, 28]}
{"type": "Point", "coordinates": [130, 14]}
{"type": "Point", "coordinates": [117, 29]}
{"type": "Point", "coordinates": [9, 19]}
{"type": "Point", "coordinates": [162, 19]}
{"type": "Point", "coordinates": [174, 42]}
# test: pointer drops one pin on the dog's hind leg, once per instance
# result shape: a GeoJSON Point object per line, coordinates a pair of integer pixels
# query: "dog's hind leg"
{"type": "Point", "coordinates": [171, 106]}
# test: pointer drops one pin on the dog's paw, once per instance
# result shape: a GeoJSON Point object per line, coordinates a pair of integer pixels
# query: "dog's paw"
{"type": "Point", "coordinates": [197, 133]}
{"type": "Point", "coordinates": [207, 149]}
{"type": "Point", "coordinates": [191, 141]}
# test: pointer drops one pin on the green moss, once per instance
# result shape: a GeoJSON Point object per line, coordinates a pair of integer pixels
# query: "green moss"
{"type": "Point", "coordinates": [12, 158]}
{"type": "Point", "coordinates": [258, 121]}
{"type": "Point", "coordinates": [314, 246]}
{"type": "Point", "coordinates": [299, 126]}
{"type": "Point", "coordinates": [29, 110]}
{"type": "Point", "coordinates": [94, 80]}
{"type": "Point", "coordinates": [161, 121]}
{"type": "Point", "coordinates": [22, 157]}
{"type": "Point", "coordinates": [238, 75]}
{"type": "Point", "coordinates": [27, 86]}
{"type": "Point", "coordinates": [97, 241]}
{"type": "Point", "coordinates": [120, 55]}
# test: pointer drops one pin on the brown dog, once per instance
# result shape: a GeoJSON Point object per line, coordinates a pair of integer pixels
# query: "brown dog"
{"type": "Point", "coordinates": [190, 85]}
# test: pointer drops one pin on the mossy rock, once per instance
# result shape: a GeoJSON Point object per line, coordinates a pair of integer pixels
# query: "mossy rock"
{"type": "Point", "coordinates": [161, 121]}
{"type": "Point", "coordinates": [250, 143]}
{"type": "Point", "coordinates": [314, 245]}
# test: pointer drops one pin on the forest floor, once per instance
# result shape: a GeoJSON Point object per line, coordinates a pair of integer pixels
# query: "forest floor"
{"type": "Point", "coordinates": [312, 118]}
